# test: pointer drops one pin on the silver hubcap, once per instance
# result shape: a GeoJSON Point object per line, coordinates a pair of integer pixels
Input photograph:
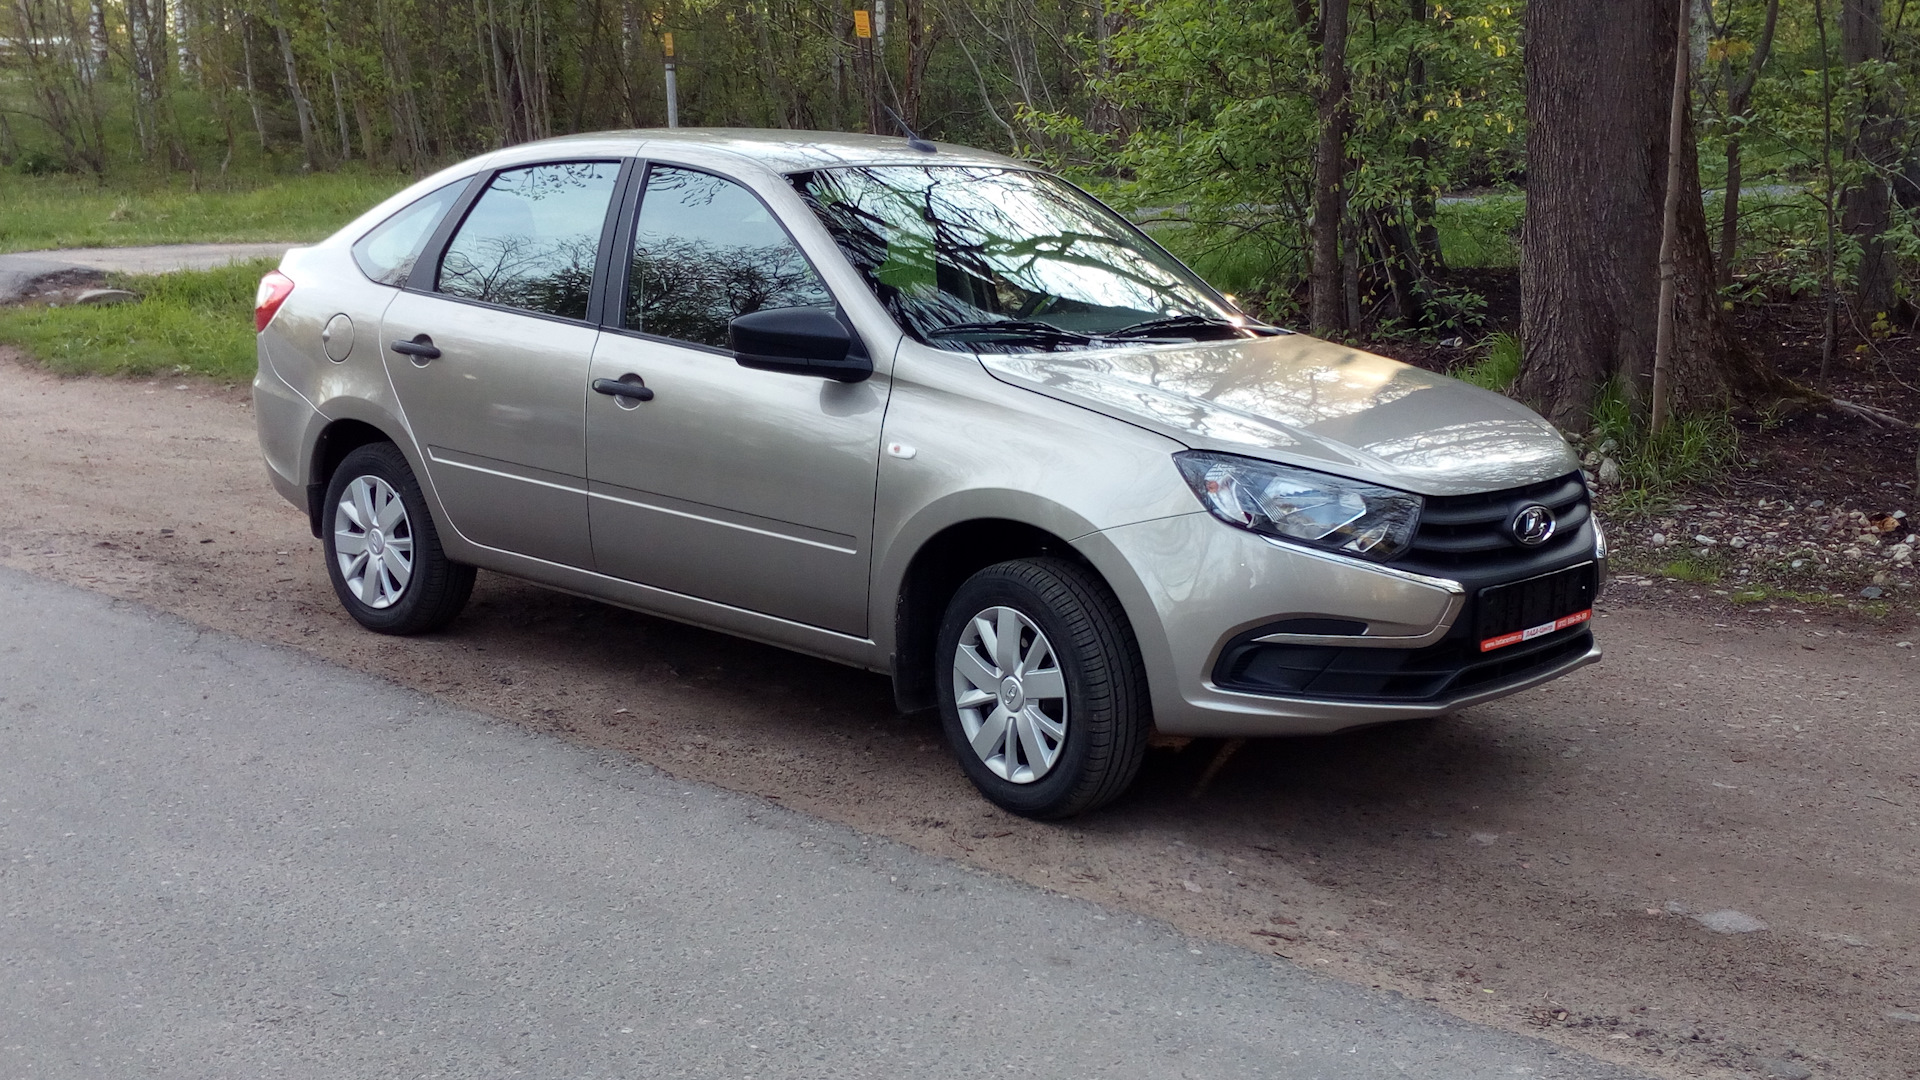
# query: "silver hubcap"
{"type": "Point", "coordinates": [373, 541]}
{"type": "Point", "coordinates": [1011, 694]}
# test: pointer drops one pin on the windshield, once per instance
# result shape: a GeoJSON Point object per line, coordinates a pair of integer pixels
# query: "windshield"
{"type": "Point", "coordinates": [980, 258]}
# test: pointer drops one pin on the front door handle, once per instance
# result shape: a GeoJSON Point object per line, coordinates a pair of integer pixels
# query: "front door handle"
{"type": "Point", "coordinates": [620, 388]}
{"type": "Point", "coordinates": [420, 348]}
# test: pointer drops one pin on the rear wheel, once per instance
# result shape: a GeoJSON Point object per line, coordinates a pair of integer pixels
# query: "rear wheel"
{"type": "Point", "coordinates": [1042, 692]}
{"type": "Point", "coordinates": [383, 553]}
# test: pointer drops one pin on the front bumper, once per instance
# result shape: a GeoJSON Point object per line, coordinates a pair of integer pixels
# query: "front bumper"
{"type": "Point", "coordinates": [1196, 588]}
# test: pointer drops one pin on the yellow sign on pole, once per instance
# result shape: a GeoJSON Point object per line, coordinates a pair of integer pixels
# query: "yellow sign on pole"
{"type": "Point", "coordinates": [862, 23]}
{"type": "Point", "coordinates": [668, 40]}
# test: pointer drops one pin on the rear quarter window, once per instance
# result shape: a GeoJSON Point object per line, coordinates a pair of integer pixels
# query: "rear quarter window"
{"type": "Point", "coordinates": [387, 253]}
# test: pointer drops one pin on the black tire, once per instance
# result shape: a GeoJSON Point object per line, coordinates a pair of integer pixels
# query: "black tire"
{"type": "Point", "coordinates": [1107, 710]}
{"type": "Point", "coordinates": [435, 590]}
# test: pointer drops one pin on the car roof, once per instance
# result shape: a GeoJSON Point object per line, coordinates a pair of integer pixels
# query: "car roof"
{"type": "Point", "coordinates": [782, 151]}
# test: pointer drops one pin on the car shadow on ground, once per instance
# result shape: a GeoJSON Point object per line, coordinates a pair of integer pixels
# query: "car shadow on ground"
{"type": "Point", "coordinates": [1369, 783]}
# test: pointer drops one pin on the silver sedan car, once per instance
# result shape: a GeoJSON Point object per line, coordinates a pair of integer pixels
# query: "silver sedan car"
{"type": "Point", "coordinates": [923, 410]}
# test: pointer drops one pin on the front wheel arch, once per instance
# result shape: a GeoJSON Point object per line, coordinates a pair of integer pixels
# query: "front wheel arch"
{"type": "Point", "coordinates": [938, 569]}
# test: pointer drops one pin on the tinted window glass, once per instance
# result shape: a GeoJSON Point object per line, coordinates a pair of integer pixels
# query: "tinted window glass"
{"type": "Point", "coordinates": [706, 250]}
{"type": "Point", "coordinates": [388, 252]}
{"type": "Point", "coordinates": [963, 248]}
{"type": "Point", "coordinates": [531, 238]}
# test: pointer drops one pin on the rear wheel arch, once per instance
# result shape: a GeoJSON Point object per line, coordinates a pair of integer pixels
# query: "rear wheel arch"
{"type": "Point", "coordinates": [338, 439]}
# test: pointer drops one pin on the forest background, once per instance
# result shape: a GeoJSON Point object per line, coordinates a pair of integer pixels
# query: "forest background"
{"type": "Point", "coordinates": [1344, 166]}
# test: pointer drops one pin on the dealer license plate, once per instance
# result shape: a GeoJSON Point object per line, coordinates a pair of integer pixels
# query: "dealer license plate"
{"type": "Point", "coordinates": [1523, 610]}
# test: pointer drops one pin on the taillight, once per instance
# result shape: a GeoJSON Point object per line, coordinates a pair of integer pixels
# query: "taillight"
{"type": "Point", "coordinates": [274, 290]}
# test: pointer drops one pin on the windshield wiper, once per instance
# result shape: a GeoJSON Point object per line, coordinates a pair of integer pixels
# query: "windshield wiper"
{"type": "Point", "coordinates": [1154, 327]}
{"type": "Point", "coordinates": [1013, 330]}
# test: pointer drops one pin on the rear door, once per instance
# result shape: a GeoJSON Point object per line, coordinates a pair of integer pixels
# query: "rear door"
{"type": "Point", "coordinates": [488, 351]}
{"type": "Point", "coordinates": [750, 488]}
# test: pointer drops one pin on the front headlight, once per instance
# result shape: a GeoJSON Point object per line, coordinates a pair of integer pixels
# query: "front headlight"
{"type": "Point", "coordinates": [1296, 504]}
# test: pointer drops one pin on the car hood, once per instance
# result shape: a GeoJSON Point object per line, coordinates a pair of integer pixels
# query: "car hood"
{"type": "Point", "coordinates": [1308, 402]}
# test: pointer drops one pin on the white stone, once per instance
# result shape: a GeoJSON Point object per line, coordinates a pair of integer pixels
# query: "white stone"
{"type": "Point", "coordinates": [1730, 922]}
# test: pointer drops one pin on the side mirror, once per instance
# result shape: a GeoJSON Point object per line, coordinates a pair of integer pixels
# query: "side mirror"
{"type": "Point", "coordinates": [797, 341]}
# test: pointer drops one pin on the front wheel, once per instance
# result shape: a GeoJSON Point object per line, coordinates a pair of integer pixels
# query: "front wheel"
{"type": "Point", "coordinates": [1042, 692]}
{"type": "Point", "coordinates": [383, 553]}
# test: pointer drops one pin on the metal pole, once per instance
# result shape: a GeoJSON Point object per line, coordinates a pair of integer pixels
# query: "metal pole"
{"type": "Point", "coordinates": [673, 86]}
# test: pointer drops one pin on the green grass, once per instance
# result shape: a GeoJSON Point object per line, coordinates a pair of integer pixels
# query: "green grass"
{"type": "Point", "coordinates": [1693, 569]}
{"type": "Point", "coordinates": [1764, 593]}
{"type": "Point", "coordinates": [198, 321]}
{"type": "Point", "coordinates": [1480, 231]}
{"type": "Point", "coordinates": [1498, 369]}
{"type": "Point", "coordinates": [1692, 450]}
{"type": "Point", "coordinates": [61, 211]}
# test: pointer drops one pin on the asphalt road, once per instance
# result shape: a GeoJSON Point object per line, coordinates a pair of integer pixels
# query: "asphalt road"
{"type": "Point", "coordinates": [219, 859]}
{"type": "Point", "coordinates": [19, 270]}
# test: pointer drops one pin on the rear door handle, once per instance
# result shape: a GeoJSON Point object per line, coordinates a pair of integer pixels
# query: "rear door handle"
{"type": "Point", "coordinates": [618, 388]}
{"type": "Point", "coordinates": [420, 348]}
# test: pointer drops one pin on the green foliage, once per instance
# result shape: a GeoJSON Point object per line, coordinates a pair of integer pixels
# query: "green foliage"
{"type": "Point", "coordinates": [1690, 450]}
{"type": "Point", "coordinates": [1220, 104]}
{"type": "Point", "coordinates": [413, 83]}
{"type": "Point", "coordinates": [1240, 264]}
{"type": "Point", "coordinates": [198, 321]}
{"type": "Point", "coordinates": [39, 212]}
{"type": "Point", "coordinates": [1498, 369]}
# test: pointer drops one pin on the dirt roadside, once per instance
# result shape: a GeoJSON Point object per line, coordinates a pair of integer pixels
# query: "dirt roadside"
{"type": "Point", "coordinates": [1536, 863]}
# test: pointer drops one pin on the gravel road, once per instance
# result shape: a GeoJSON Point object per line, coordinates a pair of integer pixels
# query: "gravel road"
{"type": "Point", "coordinates": [296, 869]}
{"type": "Point", "coordinates": [1562, 863]}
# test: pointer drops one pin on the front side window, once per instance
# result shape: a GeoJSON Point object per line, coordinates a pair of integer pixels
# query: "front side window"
{"type": "Point", "coordinates": [705, 251]}
{"type": "Point", "coordinates": [987, 258]}
{"type": "Point", "coordinates": [387, 254]}
{"type": "Point", "coordinates": [531, 239]}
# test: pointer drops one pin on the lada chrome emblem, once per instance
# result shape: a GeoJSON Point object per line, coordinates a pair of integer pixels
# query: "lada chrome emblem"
{"type": "Point", "coordinates": [1533, 526]}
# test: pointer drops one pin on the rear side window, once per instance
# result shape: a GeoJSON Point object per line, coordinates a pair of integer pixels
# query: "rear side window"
{"type": "Point", "coordinates": [706, 250]}
{"type": "Point", "coordinates": [387, 254]}
{"type": "Point", "coordinates": [531, 239]}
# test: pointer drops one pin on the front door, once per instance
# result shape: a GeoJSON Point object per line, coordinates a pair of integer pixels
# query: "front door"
{"type": "Point", "coordinates": [498, 355]}
{"type": "Point", "coordinates": [750, 488]}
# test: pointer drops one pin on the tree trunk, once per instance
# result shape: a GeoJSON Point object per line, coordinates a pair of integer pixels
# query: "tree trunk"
{"type": "Point", "coordinates": [143, 76]}
{"type": "Point", "coordinates": [1426, 234]}
{"type": "Point", "coordinates": [1102, 116]}
{"type": "Point", "coordinates": [1739, 94]}
{"type": "Point", "coordinates": [253, 94]}
{"type": "Point", "coordinates": [1327, 301]}
{"type": "Point", "coordinates": [1598, 80]}
{"type": "Point", "coordinates": [923, 35]}
{"type": "Point", "coordinates": [97, 34]}
{"type": "Point", "coordinates": [302, 111]}
{"type": "Point", "coordinates": [1866, 204]}
{"type": "Point", "coordinates": [1677, 187]}
{"type": "Point", "coordinates": [333, 75]}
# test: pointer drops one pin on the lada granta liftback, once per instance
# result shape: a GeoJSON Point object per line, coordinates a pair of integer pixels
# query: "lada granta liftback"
{"type": "Point", "coordinates": [931, 412]}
